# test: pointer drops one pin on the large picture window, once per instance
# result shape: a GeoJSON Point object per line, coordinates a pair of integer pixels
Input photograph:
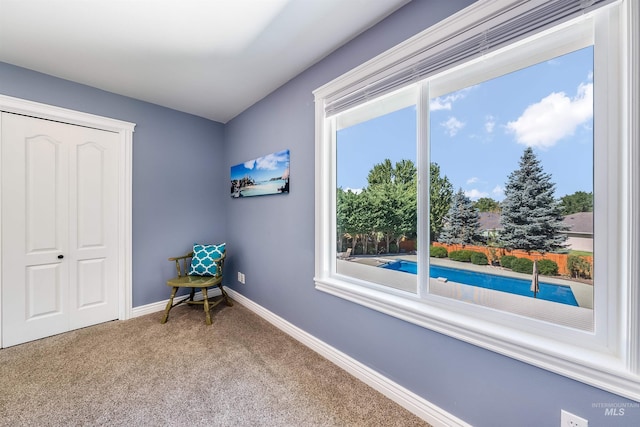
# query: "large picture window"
{"type": "Point", "coordinates": [492, 197]}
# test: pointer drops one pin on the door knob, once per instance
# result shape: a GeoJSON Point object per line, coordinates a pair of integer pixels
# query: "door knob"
{"type": "Point", "coordinates": [60, 256]}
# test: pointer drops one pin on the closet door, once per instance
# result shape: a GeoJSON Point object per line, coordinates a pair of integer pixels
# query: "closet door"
{"type": "Point", "coordinates": [59, 227]}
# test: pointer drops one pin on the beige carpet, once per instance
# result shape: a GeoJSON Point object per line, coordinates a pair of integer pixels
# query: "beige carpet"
{"type": "Point", "coordinates": [241, 371]}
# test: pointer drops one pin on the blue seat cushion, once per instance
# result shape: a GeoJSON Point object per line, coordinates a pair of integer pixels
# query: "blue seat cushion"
{"type": "Point", "coordinates": [203, 262]}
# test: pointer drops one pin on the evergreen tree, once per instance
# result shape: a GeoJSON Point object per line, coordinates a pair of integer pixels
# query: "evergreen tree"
{"type": "Point", "coordinates": [531, 216]}
{"type": "Point", "coordinates": [461, 223]}
{"type": "Point", "coordinates": [440, 193]}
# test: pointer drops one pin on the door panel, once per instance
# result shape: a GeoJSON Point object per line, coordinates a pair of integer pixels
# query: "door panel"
{"type": "Point", "coordinates": [34, 212]}
{"type": "Point", "coordinates": [59, 210]}
{"type": "Point", "coordinates": [92, 274]}
{"type": "Point", "coordinates": [44, 291]}
{"type": "Point", "coordinates": [93, 218]}
{"type": "Point", "coordinates": [45, 174]}
{"type": "Point", "coordinates": [91, 195]}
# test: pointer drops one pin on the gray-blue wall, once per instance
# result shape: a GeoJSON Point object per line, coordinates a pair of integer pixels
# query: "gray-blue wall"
{"type": "Point", "coordinates": [179, 172]}
{"type": "Point", "coordinates": [272, 239]}
{"type": "Point", "coordinates": [180, 190]}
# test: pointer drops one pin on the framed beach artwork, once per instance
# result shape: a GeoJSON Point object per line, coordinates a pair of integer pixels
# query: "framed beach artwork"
{"type": "Point", "coordinates": [262, 176]}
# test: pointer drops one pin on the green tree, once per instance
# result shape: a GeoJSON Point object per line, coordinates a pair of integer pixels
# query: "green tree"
{"type": "Point", "coordinates": [381, 173]}
{"type": "Point", "coordinates": [405, 173]}
{"type": "Point", "coordinates": [347, 216]}
{"type": "Point", "coordinates": [579, 201]}
{"type": "Point", "coordinates": [393, 202]}
{"type": "Point", "coordinates": [487, 204]}
{"type": "Point", "coordinates": [531, 217]}
{"type": "Point", "coordinates": [461, 223]}
{"type": "Point", "coordinates": [440, 194]}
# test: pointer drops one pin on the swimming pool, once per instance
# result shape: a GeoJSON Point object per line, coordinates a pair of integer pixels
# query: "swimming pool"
{"type": "Point", "coordinates": [548, 291]}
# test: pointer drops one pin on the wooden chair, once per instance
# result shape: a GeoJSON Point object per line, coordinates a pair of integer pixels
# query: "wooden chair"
{"type": "Point", "coordinates": [184, 280]}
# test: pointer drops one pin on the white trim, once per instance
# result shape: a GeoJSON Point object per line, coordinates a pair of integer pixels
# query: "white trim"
{"type": "Point", "coordinates": [631, 132]}
{"type": "Point", "coordinates": [125, 161]}
{"type": "Point", "coordinates": [608, 359]}
{"type": "Point", "coordinates": [64, 115]}
{"type": "Point", "coordinates": [154, 307]}
{"type": "Point", "coordinates": [402, 396]}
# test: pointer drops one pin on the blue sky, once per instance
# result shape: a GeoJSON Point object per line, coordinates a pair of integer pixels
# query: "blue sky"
{"type": "Point", "coordinates": [263, 168]}
{"type": "Point", "coordinates": [478, 134]}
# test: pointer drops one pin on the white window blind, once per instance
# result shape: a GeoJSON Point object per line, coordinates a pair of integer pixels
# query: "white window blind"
{"type": "Point", "coordinates": [504, 26]}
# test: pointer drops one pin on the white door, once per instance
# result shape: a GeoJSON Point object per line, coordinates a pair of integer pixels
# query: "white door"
{"type": "Point", "coordinates": [59, 227]}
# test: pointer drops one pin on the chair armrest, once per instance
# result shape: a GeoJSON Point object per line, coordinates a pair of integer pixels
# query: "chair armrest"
{"type": "Point", "coordinates": [185, 268]}
{"type": "Point", "coordinates": [178, 258]}
{"type": "Point", "coordinates": [183, 271]}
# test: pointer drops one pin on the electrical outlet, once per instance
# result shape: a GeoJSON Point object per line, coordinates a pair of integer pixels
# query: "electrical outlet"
{"type": "Point", "coordinates": [241, 277]}
{"type": "Point", "coordinates": [567, 419]}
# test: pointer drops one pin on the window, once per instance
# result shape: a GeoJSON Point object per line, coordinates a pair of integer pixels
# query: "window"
{"type": "Point", "coordinates": [487, 189]}
{"type": "Point", "coordinates": [376, 195]}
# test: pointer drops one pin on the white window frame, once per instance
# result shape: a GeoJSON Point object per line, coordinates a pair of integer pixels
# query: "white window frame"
{"type": "Point", "coordinates": [609, 357]}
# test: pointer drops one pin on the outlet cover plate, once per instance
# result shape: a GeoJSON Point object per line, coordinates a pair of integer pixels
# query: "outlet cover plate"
{"type": "Point", "coordinates": [567, 419]}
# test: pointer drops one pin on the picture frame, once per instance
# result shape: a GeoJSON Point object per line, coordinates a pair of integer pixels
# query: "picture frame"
{"type": "Point", "coordinates": [266, 175]}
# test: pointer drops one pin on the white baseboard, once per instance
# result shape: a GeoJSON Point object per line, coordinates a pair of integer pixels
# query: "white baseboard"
{"type": "Point", "coordinates": [402, 396]}
{"type": "Point", "coordinates": [154, 307]}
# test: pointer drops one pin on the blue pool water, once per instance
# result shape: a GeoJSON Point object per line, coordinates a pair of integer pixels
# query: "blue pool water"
{"type": "Point", "coordinates": [548, 291]}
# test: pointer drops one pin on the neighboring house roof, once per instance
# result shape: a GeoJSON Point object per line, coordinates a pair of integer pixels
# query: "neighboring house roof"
{"type": "Point", "coordinates": [581, 222]}
{"type": "Point", "coordinates": [490, 221]}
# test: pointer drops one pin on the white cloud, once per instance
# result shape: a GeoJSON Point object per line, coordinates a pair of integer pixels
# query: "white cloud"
{"type": "Point", "coordinates": [452, 126]}
{"type": "Point", "coordinates": [443, 102]}
{"type": "Point", "coordinates": [555, 117]}
{"type": "Point", "coordinates": [475, 194]}
{"type": "Point", "coordinates": [250, 164]}
{"type": "Point", "coordinates": [440, 104]}
{"type": "Point", "coordinates": [353, 190]}
{"type": "Point", "coordinates": [498, 190]}
{"type": "Point", "coordinates": [472, 180]}
{"type": "Point", "coordinates": [489, 124]}
{"type": "Point", "coordinates": [271, 161]}
{"type": "Point", "coordinates": [446, 102]}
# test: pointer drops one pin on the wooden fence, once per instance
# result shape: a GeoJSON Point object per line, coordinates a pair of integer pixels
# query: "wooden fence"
{"type": "Point", "coordinates": [494, 254]}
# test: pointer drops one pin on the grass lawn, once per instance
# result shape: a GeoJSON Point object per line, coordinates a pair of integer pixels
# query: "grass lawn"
{"type": "Point", "coordinates": [580, 253]}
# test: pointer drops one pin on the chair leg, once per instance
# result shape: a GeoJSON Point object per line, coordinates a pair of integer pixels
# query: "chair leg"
{"type": "Point", "coordinates": [206, 305]}
{"type": "Point", "coordinates": [227, 300]}
{"type": "Point", "coordinates": [169, 305]}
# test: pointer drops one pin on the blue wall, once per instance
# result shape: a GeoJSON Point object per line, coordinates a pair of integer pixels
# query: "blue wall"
{"type": "Point", "coordinates": [273, 244]}
{"type": "Point", "coordinates": [179, 172]}
{"type": "Point", "coordinates": [181, 161]}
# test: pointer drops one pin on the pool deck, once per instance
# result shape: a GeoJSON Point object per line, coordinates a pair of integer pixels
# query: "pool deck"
{"type": "Point", "coordinates": [580, 317]}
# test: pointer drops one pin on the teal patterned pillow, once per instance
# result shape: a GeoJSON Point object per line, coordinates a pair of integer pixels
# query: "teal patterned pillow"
{"type": "Point", "coordinates": [202, 262]}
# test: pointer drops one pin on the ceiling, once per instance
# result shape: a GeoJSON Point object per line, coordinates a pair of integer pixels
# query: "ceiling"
{"type": "Point", "coordinates": [210, 58]}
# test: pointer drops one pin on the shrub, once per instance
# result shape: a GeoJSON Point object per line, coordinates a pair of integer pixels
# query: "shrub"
{"type": "Point", "coordinates": [507, 260]}
{"type": "Point", "coordinates": [462, 255]}
{"type": "Point", "coordinates": [547, 267]}
{"type": "Point", "coordinates": [478, 258]}
{"type": "Point", "coordinates": [578, 267]}
{"type": "Point", "coordinates": [393, 248]}
{"type": "Point", "coordinates": [438, 252]}
{"type": "Point", "coordinates": [522, 265]}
